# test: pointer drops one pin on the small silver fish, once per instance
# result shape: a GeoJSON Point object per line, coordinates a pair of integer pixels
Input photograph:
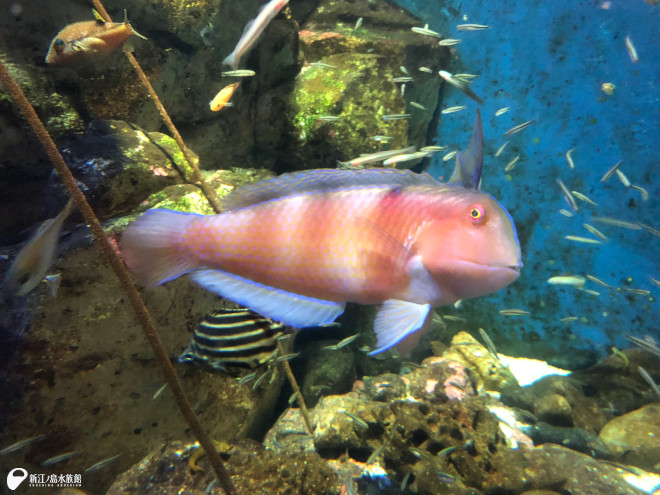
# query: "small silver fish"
{"type": "Point", "coordinates": [589, 291]}
{"type": "Point", "coordinates": [472, 27]}
{"type": "Point", "coordinates": [457, 108]}
{"type": "Point", "coordinates": [449, 42]}
{"type": "Point", "coordinates": [406, 157]}
{"type": "Point", "coordinates": [622, 177]}
{"type": "Point", "coordinates": [466, 77]}
{"type": "Point", "coordinates": [642, 191]}
{"type": "Point", "coordinates": [396, 116]}
{"type": "Point", "coordinates": [449, 156]}
{"type": "Point", "coordinates": [501, 148]}
{"type": "Point", "coordinates": [101, 464]}
{"type": "Point", "coordinates": [294, 396]}
{"type": "Point", "coordinates": [454, 318]}
{"type": "Point", "coordinates": [416, 105]}
{"type": "Point", "coordinates": [567, 213]}
{"type": "Point", "coordinates": [640, 292]}
{"type": "Point", "coordinates": [462, 85]}
{"type": "Point", "coordinates": [567, 194]}
{"type": "Point", "coordinates": [346, 341]}
{"type": "Point", "coordinates": [402, 79]}
{"type": "Point", "coordinates": [585, 198]}
{"type": "Point", "coordinates": [502, 111]}
{"type": "Point", "coordinates": [632, 52]}
{"type": "Point", "coordinates": [159, 391]}
{"type": "Point", "coordinates": [490, 345]}
{"type": "Point", "coordinates": [328, 118]}
{"type": "Point", "coordinates": [258, 381]}
{"type": "Point", "coordinates": [60, 458]}
{"type": "Point", "coordinates": [433, 148]}
{"type": "Point", "coordinates": [322, 65]}
{"type": "Point", "coordinates": [519, 127]}
{"type": "Point", "coordinates": [615, 222]}
{"type": "Point", "coordinates": [573, 280]}
{"type": "Point", "coordinates": [599, 281]}
{"type": "Point", "coordinates": [375, 454]}
{"type": "Point", "coordinates": [569, 158]}
{"type": "Point", "coordinates": [239, 73]}
{"type": "Point", "coordinates": [426, 69]}
{"type": "Point", "coordinates": [595, 231]}
{"type": "Point", "coordinates": [650, 229]}
{"type": "Point", "coordinates": [381, 138]}
{"type": "Point", "coordinates": [247, 378]}
{"type": "Point", "coordinates": [357, 420]}
{"type": "Point", "coordinates": [287, 357]}
{"type": "Point", "coordinates": [580, 239]}
{"type": "Point", "coordinates": [514, 312]}
{"type": "Point", "coordinates": [358, 23]}
{"type": "Point", "coordinates": [20, 444]}
{"type": "Point", "coordinates": [511, 165]}
{"type": "Point", "coordinates": [611, 171]}
{"type": "Point", "coordinates": [374, 157]}
{"type": "Point", "coordinates": [425, 31]}
{"type": "Point", "coordinates": [36, 257]}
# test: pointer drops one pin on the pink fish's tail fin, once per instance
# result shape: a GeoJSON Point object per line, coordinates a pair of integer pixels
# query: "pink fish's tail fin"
{"type": "Point", "coordinates": [154, 247]}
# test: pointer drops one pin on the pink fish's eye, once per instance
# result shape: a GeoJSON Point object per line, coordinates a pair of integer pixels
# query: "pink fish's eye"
{"type": "Point", "coordinates": [58, 45]}
{"type": "Point", "coordinates": [477, 213]}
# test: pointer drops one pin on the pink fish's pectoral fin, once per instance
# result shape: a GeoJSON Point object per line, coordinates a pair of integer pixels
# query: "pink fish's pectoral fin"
{"type": "Point", "coordinates": [410, 342]}
{"type": "Point", "coordinates": [285, 307]}
{"type": "Point", "coordinates": [396, 320]}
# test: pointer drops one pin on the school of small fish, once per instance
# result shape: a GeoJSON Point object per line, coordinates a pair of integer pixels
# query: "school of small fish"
{"type": "Point", "coordinates": [409, 242]}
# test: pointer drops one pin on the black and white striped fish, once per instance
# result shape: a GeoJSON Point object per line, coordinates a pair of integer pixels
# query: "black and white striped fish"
{"type": "Point", "coordinates": [233, 338]}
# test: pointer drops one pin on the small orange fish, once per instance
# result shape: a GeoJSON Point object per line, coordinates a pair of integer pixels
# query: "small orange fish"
{"type": "Point", "coordinates": [88, 40]}
{"type": "Point", "coordinates": [223, 97]}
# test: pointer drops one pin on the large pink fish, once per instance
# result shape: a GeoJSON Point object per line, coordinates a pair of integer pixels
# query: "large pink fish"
{"type": "Point", "coordinates": [298, 247]}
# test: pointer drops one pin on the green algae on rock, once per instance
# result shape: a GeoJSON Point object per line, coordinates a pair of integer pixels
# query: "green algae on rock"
{"type": "Point", "coordinates": [355, 84]}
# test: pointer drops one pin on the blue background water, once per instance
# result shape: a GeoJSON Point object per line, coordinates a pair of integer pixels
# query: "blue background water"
{"type": "Point", "coordinates": [547, 61]}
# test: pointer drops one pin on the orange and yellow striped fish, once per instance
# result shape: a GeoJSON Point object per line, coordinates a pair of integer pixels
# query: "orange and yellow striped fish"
{"type": "Point", "coordinates": [298, 247]}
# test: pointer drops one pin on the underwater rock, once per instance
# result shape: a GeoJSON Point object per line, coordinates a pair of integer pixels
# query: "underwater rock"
{"type": "Point", "coordinates": [634, 438]}
{"type": "Point", "coordinates": [25, 166]}
{"type": "Point", "coordinates": [490, 373]}
{"type": "Point", "coordinates": [348, 77]}
{"type": "Point", "coordinates": [118, 166]}
{"type": "Point", "coordinates": [557, 469]}
{"type": "Point", "coordinates": [325, 371]}
{"type": "Point", "coordinates": [560, 401]}
{"type": "Point", "coordinates": [252, 469]}
{"type": "Point", "coordinates": [554, 408]}
{"type": "Point", "coordinates": [572, 438]}
{"type": "Point", "coordinates": [418, 428]}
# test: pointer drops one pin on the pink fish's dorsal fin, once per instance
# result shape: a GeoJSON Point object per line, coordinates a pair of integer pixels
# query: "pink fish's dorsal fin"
{"type": "Point", "coordinates": [322, 180]}
{"type": "Point", "coordinates": [470, 161]}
